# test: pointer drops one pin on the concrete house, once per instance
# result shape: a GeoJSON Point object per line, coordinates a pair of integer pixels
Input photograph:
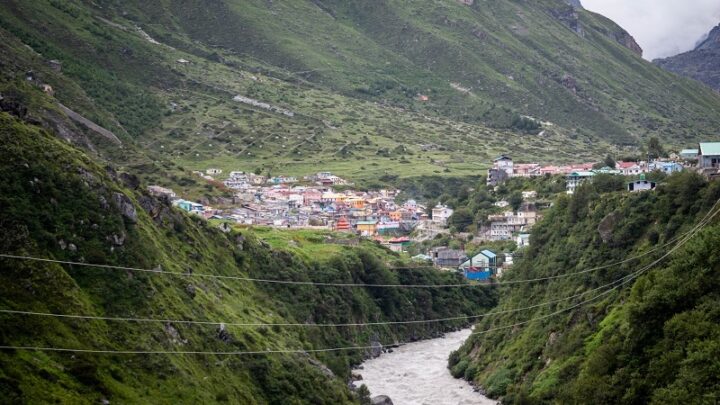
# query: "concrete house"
{"type": "Point", "coordinates": [641, 185]}
{"type": "Point", "coordinates": [502, 169]}
{"type": "Point", "coordinates": [445, 257]}
{"type": "Point", "coordinates": [504, 163]}
{"type": "Point", "coordinates": [189, 206]}
{"type": "Point", "coordinates": [441, 213]}
{"type": "Point", "coordinates": [575, 179]}
{"type": "Point", "coordinates": [689, 154]}
{"type": "Point", "coordinates": [667, 167]}
{"type": "Point", "coordinates": [709, 156]}
{"type": "Point", "coordinates": [479, 267]}
{"type": "Point", "coordinates": [366, 227]}
{"type": "Point", "coordinates": [631, 168]}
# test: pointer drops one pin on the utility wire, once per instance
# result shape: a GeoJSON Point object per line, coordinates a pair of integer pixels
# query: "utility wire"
{"type": "Point", "coordinates": [295, 351]}
{"type": "Point", "coordinates": [327, 284]}
{"type": "Point", "coordinates": [622, 281]}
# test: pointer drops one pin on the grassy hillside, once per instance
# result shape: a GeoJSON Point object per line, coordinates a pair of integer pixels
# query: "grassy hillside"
{"type": "Point", "coordinates": [351, 76]}
{"type": "Point", "coordinates": [511, 58]}
{"type": "Point", "coordinates": [652, 341]}
{"type": "Point", "coordinates": [58, 203]}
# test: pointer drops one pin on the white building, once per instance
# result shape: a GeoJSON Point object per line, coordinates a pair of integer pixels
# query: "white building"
{"type": "Point", "coordinates": [523, 240]}
{"type": "Point", "coordinates": [441, 213]}
{"type": "Point", "coordinates": [575, 179]}
{"type": "Point", "coordinates": [641, 185]}
{"type": "Point", "coordinates": [504, 163]}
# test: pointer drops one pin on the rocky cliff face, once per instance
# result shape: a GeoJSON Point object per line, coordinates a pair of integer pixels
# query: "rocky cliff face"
{"type": "Point", "coordinates": [702, 63]}
{"type": "Point", "coordinates": [625, 39]}
{"type": "Point", "coordinates": [712, 41]}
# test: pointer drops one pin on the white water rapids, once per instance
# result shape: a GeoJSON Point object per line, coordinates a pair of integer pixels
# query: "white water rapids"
{"type": "Point", "coordinates": [417, 374]}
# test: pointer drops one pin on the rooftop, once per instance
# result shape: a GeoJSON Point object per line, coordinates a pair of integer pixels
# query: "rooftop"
{"type": "Point", "coordinates": [582, 174]}
{"type": "Point", "coordinates": [710, 148]}
{"type": "Point", "coordinates": [488, 254]}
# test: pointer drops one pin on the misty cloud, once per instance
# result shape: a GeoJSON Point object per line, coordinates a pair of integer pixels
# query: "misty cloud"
{"type": "Point", "coordinates": [661, 27]}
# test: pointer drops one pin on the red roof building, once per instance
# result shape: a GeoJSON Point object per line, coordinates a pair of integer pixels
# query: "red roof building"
{"type": "Point", "coordinates": [342, 225]}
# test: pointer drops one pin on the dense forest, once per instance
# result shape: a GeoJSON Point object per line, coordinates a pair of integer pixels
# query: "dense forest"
{"type": "Point", "coordinates": [649, 336]}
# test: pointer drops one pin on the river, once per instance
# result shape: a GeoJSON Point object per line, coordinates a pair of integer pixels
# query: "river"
{"type": "Point", "coordinates": [417, 374]}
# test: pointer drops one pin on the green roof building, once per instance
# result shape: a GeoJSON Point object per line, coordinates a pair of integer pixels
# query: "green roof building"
{"type": "Point", "coordinates": [709, 156]}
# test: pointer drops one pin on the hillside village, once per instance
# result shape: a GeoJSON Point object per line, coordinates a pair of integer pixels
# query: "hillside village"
{"type": "Point", "coordinates": [324, 201]}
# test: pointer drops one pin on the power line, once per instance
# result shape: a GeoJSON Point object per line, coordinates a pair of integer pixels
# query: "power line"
{"type": "Point", "coordinates": [268, 351]}
{"type": "Point", "coordinates": [284, 351]}
{"type": "Point", "coordinates": [257, 324]}
{"type": "Point", "coordinates": [623, 281]}
{"type": "Point", "coordinates": [349, 348]}
{"type": "Point", "coordinates": [328, 284]}
{"type": "Point", "coordinates": [687, 237]}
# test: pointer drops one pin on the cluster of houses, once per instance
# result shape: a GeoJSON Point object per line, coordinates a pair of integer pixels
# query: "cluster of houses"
{"type": "Point", "coordinates": [317, 201]}
{"type": "Point", "coordinates": [283, 201]}
{"type": "Point", "coordinates": [504, 168]}
{"type": "Point", "coordinates": [640, 168]}
{"type": "Point", "coordinates": [705, 159]}
{"type": "Point", "coordinates": [239, 180]}
{"type": "Point", "coordinates": [313, 202]}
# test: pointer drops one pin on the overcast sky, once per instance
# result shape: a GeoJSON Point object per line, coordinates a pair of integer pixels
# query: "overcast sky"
{"type": "Point", "coordinates": [661, 27]}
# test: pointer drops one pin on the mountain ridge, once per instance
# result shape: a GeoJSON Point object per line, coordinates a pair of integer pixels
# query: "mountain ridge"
{"type": "Point", "coordinates": [162, 76]}
{"type": "Point", "coordinates": [701, 63]}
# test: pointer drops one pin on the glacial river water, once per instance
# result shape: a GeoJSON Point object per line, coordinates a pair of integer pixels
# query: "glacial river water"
{"type": "Point", "coordinates": [417, 374]}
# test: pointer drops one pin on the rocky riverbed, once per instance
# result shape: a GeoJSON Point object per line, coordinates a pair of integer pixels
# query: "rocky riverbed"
{"type": "Point", "coordinates": [417, 374]}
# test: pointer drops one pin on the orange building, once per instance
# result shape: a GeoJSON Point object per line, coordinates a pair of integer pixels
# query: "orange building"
{"type": "Point", "coordinates": [342, 225]}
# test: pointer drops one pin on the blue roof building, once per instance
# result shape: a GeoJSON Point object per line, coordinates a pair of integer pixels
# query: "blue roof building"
{"type": "Point", "coordinates": [480, 267]}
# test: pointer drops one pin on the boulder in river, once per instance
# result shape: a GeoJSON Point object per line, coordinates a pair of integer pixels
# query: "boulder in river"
{"type": "Point", "coordinates": [376, 349]}
{"type": "Point", "coordinates": [381, 400]}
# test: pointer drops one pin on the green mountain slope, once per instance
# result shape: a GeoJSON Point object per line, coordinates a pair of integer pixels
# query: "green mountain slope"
{"type": "Point", "coordinates": [162, 76]}
{"type": "Point", "coordinates": [58, 203]}
{"type": "Point", "coordinates": [544, 59]}
{"type": "Point", "coordinates": [652, 340]}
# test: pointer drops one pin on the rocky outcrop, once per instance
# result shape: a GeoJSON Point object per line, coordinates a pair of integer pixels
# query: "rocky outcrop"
{"type": "Point", "coordinates": [569, 17]}
{"type": "Point", "coordinates": [569, 83]}
{"type": "Point", "coordinates": [89, 124]}
{"type": "Point", "coordinates": [376, 349]}
{"type": "Point", "coordinates": [13, 107]}
{"type": "Point", "coordinates": [701, 64]}
{"type": "Point", "coordinates": [223, 334]}
{"type": "Point", "coordinates": [625, 39]}
{"type": "Point", "coordinates": [126, 207]}
{"type": "Point", "coordinates": [711, 41]}
{"type": "Point", "coordinates": [320, 366]}
{"type": "Point", "coordinates": [381, 400]}
{"type": "Point", "coordinates": [607, 226]}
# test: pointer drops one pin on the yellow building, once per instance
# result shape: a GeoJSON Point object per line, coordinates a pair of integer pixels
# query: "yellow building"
{"type": "Point", "coordinates": [367, 227]}
{"type": "Point", "coordinates": [356, 202]}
